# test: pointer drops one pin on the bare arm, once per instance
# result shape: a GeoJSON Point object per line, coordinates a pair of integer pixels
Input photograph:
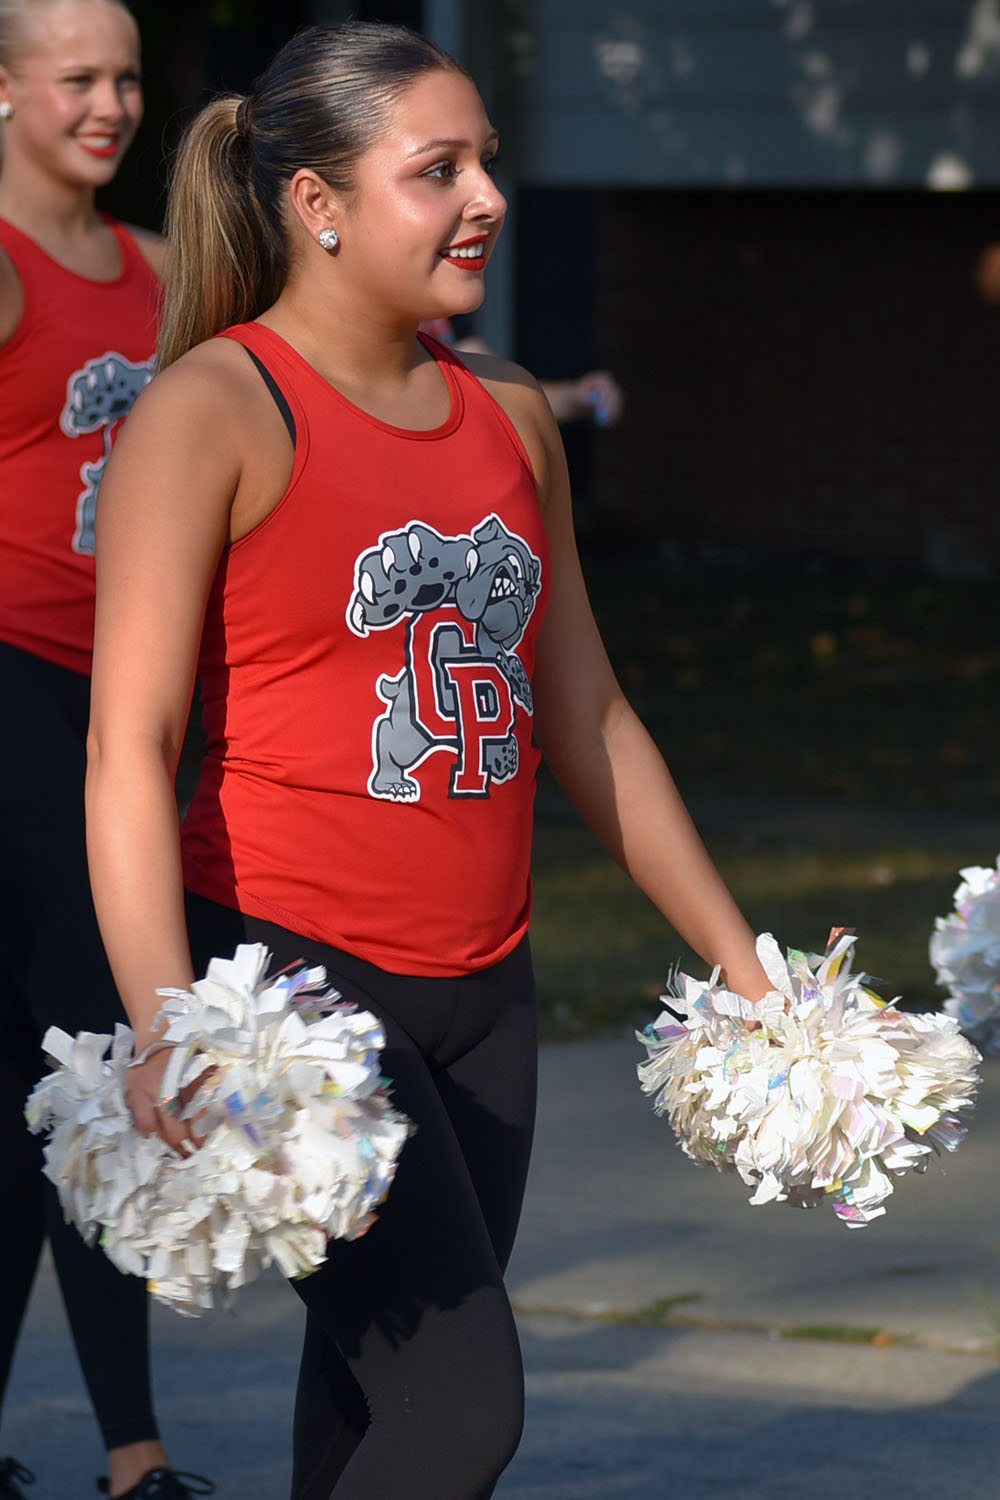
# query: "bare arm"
{"type": "Point", "coordinates": [168, 502]}
{"type": "Point", "coordinates": [595, 743]}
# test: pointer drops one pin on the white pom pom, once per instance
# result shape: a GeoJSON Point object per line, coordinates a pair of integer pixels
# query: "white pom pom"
{"type": "Point", "coordinates": [965, 955]}
{"type": "Point", "coordinates": [301, 1141]}
{"type": "Point", "coordinates": [819, 1091]}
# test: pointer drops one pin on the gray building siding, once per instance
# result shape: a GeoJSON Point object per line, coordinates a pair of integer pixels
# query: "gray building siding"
{"type": "Point", "coordinates": [751, 92]}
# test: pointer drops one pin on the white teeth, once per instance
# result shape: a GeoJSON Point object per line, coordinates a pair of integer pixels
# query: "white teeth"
{"type": "Point", "coordinates": [466, 252]}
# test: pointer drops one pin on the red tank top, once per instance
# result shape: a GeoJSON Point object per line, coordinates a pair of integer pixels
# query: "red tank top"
{"type": "Point", "coordinates": [365, 675]}
{"type": "Point", "coordinates": [79, 357]}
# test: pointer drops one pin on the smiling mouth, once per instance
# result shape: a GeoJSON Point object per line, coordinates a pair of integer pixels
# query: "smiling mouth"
{"type": "Point", "coordinates": [469, 256]}
{"type": "Point", "coordinates": [100, 145]}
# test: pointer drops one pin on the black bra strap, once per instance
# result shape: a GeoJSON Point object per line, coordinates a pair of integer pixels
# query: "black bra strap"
{"type": "Point", "coordinates": [278, 394]}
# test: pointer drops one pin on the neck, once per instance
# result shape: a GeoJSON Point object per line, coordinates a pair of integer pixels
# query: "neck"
{"type": "Point", "coordinates": [43, 208]}
{"type": "Point", "coordinates": [355, 346]}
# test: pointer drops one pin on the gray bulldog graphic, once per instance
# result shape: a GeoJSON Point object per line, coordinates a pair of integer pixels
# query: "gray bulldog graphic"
{"type": "Point", "coordinates": [97, 397]}
{"type": "Point", "coordinates": [431, 584]}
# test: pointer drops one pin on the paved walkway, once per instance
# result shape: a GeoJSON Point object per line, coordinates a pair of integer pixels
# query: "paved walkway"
{"type": "Point", "coordinates": [656, 1309]}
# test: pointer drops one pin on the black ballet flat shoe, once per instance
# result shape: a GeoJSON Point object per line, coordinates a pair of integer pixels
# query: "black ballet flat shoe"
{"type": "Point", "coordinates": [161, 1484]}
{"type": "Point", "coordinates": [10, 1470]}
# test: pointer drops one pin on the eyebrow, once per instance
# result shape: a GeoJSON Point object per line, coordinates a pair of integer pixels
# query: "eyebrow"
{"type": "Point", "coordinates": [442, 144]}
{"type": "Point", "coordinates": [94, 67]}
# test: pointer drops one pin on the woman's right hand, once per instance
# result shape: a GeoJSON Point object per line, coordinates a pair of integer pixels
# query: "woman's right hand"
{"type": "Point", "coordinates": [153, 1116]}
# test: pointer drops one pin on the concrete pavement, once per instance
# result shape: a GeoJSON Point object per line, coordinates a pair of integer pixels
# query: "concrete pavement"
{"type": "Point", "coordinates": [678, 1343]}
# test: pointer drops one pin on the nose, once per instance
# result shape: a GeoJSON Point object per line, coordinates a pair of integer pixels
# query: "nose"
{"type": "Point", "coordinates": [108, 103]}
{"type": "Point", "coordinates": [487, 201]}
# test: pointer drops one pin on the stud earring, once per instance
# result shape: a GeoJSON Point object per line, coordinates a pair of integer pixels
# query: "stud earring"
{"type": "Point", "coordinates": [6, 110]}
{"type": "Point", "coordinates": [329, 239]}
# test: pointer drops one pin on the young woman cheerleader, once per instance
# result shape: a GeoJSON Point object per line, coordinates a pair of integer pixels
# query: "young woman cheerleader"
{"type": "Point", "coordinates": [364, 546]}
{"type": "Point", "coordinates": [77, 330]}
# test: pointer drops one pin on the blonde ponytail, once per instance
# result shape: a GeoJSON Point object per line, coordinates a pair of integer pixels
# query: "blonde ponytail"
{"type": "Point", "coordinates": [225, 264]}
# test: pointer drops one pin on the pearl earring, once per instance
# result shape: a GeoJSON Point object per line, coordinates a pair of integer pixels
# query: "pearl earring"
{"type": "Point", "coordinates": [329, 239]}
{"type": "Point", "coordinates": [6, 110]}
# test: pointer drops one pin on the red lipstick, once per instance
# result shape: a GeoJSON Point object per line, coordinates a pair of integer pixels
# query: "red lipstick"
{"type": "Point", "coordinates": [466, 262]}
{"type": "Point", "coordinates": [101, 151]}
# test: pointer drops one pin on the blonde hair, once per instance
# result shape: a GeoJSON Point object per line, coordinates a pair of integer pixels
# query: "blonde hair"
{"type": "Point", "coordinates": [14, 13]}
{"type": "Point", "coordinates": [321, 103]}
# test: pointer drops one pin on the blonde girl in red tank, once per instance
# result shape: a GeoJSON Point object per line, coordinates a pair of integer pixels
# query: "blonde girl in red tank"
{"type": "Point", "coordinates": [78, 297]}
{"type": "Point", "coordinates": [368, 544]}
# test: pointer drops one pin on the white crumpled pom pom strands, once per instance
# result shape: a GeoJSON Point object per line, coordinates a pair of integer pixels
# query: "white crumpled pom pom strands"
{"type": "Point", "coordinates": [301, 1140]}
{"type": "Point", "coordinates": [965, 955]}
{"type": "Point", "coordinates": [831, 1096]}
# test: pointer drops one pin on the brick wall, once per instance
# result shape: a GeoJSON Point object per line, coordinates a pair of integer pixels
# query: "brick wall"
{"type": "Point", "coordinates": [807, 372]}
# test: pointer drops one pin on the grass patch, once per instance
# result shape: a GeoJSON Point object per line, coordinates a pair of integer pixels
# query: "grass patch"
{"type": "Point", "coordinates": [789, 683]}
{"type": "Point", "coordinates": [658, 1314]}
{"type": "Point", "coordinates": [602, 951]}
{"type": "Point", "coordinates": [838, 1333]}
{"type": "Point", "coordinates": [663, 1313]}
{"type": "Point", "coordinates": [784, 681]}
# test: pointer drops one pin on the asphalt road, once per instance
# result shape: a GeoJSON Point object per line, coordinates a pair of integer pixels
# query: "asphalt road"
{"type": "Point", "coordinates": [678, 1343]}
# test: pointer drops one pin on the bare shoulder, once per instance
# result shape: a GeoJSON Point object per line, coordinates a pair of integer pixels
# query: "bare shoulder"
{"type": "Point", "coordinates": [491, 370]}
{"type": "Point", "coordinates": [210, 431]}
{"type": "Point", "coordinates": [208, 397]}
{"type": "Point", "coordinates": [152, 246]}
{"type": "Point", "coordinates": [218, 370]}
{"type": "Point", "coordinates": [519, 394]}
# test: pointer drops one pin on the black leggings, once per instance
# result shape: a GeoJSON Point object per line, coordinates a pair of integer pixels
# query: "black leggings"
{"type": "Point", "coordinates": [411, 1385]}
{"type": "Point", "coordinates": [53, 971]}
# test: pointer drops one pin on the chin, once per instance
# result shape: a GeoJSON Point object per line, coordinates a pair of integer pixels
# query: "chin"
{"type": "Point", "coordinates": [93, 181]}
{"type": "Point", "coordinates": [473, 299]}
{"type": "Point", "coordinates": [91, 172]}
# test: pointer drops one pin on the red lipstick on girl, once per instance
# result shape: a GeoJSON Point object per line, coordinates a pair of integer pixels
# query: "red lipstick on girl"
{"type": "Point", "coordinates": [467, 255]}
{"type": "Point", "coordinates": [102, 151]}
